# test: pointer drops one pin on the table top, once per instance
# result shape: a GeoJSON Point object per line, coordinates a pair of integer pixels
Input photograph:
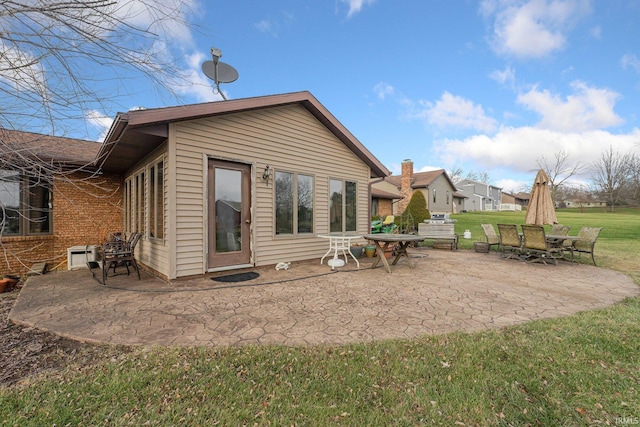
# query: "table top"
{"type": "Point", "coordinates": [562, 237]}
{"type": "Point", "coordinates": [390, 237]}
{"type": "Point", "coordinates": [340, 236]}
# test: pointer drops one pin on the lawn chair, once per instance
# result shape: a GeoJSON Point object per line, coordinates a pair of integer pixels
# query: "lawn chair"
{"type": "Point", "coordinates": [536, 246]}
{"type": "Point", "coordinates": [510, 242]}
{"type": "Point", "coordinates": [490, 234]}
{"type": "Point", "coordinates": [559, 229]}
{"type": "Point", "coordinates": [587, 242]}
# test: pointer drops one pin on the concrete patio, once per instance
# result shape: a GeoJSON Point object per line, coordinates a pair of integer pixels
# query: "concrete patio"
{"type": "Point", "coordinates": [311, 304]}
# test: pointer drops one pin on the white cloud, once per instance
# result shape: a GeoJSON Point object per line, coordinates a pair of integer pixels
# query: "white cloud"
{"type": "Point", "coordinates": [630, 61]}
{"type": "Point", "coordinates": [356, 5]}
{"type": "Point", "coordinates": [382, 90]}
{"type": "Point", "coordinates": [100, 121]}
{"type": "Point", "coordinates": [508, 75]}
{"type": "Point", "coordinates": [152, 15]}
{"type": "Point", "coordinates": [455, 111]}
{"type": "Point", "coordinates": [519, 148]}
{"type": "Point", "coordinates": [534, 28]}
{"type": "Point", "coordinates": [265, 26]}
{"type": "Point", "coordinates": [588, 108]}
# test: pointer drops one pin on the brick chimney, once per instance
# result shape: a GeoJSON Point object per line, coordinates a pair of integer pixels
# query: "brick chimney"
{"type": "Point", "coordinates": [405, 185]}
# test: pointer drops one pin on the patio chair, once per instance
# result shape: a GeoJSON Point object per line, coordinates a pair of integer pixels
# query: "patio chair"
{"type": "Point", "coordinates": [559, 229]}
{"type": "Point", "coordinates": [587, 242]}
{"type": "Point", "coordinates": [490, 234]}
{"type": "Point", "coordinates": [510, 242]}
{"type": "Point", "coordinates": [119, 253]}
{"type": "Point", "coordinates": [536, 246]}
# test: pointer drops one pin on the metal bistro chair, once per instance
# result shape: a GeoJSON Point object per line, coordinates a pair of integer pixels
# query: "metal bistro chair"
{"type": "Point", "coordinates": [118, 253]}
{"type": "Point", "coordinates": [510, 242]}
{"type": "Point", "coordinates": [536, 246]}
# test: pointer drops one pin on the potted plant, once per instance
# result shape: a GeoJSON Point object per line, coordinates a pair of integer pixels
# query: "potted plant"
{"type": "Point", "coordinates": [356, 249]}
{"type": "Point", "coordinates": [369, 251]}
{"type": "Point", "coordinates": [8, 283]}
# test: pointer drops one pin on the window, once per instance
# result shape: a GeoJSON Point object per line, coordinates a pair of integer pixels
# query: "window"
{"type": "Point", "coordinates": [144, 201]}
{"type": "Point", "coordinates": [434, 195]}
{"type": "Point", "coordinates": [156, 202]}
{"type": "Point", "coordinates": [140, 203]}
{"type": "Point", "coordinates": [343, 206]}
{"type": "Point", "coordinates": [374, 207]}
{"type": "Point", "coordinates": [294, 203]}
{"type": "Point", "coordinates": [25, 205]}
{"type": "Point", "coordinates": [448, 197]}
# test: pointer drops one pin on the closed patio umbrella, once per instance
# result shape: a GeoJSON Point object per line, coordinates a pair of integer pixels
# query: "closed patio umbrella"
{"type": "Point", "coordinates": [541, 209]}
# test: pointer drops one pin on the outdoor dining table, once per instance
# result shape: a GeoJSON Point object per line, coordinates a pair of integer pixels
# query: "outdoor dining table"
{"type": "Point", "coordinates": [339, 242]}
{"type": "Point", "coordinates": [382, 243]}
{"type": "Point", "coordinates": [558, 239]}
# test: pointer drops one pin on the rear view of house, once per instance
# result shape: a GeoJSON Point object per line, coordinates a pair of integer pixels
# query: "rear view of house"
{"type": "Point", "coordinates": [237, 183]}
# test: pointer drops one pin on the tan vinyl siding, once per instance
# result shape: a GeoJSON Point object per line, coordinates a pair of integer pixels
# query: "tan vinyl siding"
{"type": "Point", "coordinates": [287, 138]}
{"type": "Point", "coordinates": [441, 185]}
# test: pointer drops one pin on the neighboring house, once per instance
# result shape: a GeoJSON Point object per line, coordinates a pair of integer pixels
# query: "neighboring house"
{"type": "Point", "coordinates": [513, 202]}
{"type": "Point", "coordinates": [480, 196]}
{"type": "Point", "coordinates": [586, 202]}
{"type": "Point", "coordinates": [438, 189]}
{"type": "Point", "coordinates": [383, 197]}
{"type": "Point", "coordinates": [230, 184]}
{"type": "Point", "coordinates": [63, 202]}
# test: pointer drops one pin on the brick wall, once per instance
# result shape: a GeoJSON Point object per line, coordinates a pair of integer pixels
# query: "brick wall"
{"type": "Point", "coordinates": [405, 185]}
{"type": "Point", "coordinates": [84, 210]}
{"type": "Point", "coordinates": [385, 207]}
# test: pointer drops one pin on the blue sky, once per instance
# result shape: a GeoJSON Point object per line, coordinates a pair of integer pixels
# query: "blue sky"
{"type": "Point", "coordinates": [488, 86]}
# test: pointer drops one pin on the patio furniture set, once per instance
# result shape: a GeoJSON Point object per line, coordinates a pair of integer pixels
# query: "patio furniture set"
{"type": "Point", "coordinates": [116, 252]}
{"type": "Point", "coordinates": [534, 244]}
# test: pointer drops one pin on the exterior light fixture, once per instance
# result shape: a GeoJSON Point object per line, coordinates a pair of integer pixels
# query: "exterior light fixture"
{"type": "Point", "coordinates": [266, 174]}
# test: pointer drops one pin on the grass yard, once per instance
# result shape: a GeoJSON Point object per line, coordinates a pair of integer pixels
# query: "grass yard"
{"type": "Point", "coordinates": [618, 246]}
{"type": "Point", "coordinates": [578, 370]}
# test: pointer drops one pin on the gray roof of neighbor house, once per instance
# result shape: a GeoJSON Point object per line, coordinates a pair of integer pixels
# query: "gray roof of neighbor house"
{"type": "Point", "coordinates": [136, 133]}
{"type": "Point", "coordinates": [50, 149]}
{"type": "Point", "coordinates": [420, 179]}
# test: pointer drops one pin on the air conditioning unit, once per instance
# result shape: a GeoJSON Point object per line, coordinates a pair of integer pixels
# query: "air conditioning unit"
{"type": "Point", "coordinates": [78, 256]}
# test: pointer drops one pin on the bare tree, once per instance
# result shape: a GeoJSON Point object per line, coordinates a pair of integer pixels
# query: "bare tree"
{"type": "Point", "coordinates": [62, 62]}
{"type": "Point", "coordinates": [457, 173]}
{"type": "Point", "coordinates": [634, 179]}
{"type": "Point", "coordinates": [559, 170]}
{"type": "Point", "coordinates": [610, 173]}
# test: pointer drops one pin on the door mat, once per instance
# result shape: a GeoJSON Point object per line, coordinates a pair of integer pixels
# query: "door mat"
{"type": "Point", "coordinates": [238, 277]}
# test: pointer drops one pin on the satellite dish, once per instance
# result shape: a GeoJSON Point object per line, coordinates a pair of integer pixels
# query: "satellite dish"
{"type": "Point", "coordinates": [218, 71]}
{"type": "Point", "coordinates": [226, 73]}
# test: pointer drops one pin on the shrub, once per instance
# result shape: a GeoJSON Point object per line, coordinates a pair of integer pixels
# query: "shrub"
{"type": "Point", "coordinates": [415, 213]}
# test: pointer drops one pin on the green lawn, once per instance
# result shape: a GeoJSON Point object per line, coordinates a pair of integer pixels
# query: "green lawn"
{"type": "Point", "coordinates": [578, 370]}
{"type": "Point", "coordinates": [618, 246]}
